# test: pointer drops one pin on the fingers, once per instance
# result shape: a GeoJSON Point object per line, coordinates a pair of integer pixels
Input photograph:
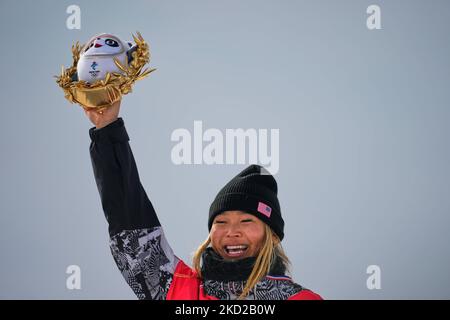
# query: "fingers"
{"type": "Point", "coordinates": [99, 112]}
{"type": "Point", "coordinates": [89, 110]}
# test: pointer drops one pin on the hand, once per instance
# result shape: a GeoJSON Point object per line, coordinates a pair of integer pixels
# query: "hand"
{"type": "Point", "coordinates": [102, 118]}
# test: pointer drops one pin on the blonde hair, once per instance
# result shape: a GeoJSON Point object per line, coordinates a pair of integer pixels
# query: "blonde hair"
{"type": "Point", "coordinates": [271, 248]}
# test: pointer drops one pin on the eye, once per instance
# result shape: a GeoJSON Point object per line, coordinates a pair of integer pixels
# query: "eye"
{"type": "Point", "coordinates": [219, 221]}
{"type": "Point", "coordinates": [247, 220]}
{"type": "Point", "coordinates": [111, 42]}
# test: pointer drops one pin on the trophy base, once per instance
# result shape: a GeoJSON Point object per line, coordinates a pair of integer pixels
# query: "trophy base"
{"type": "Point", "coordinates": [96, 98]}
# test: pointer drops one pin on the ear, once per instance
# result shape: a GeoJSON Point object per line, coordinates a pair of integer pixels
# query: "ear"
{"type": "Point", "coordinates": [130, 53]}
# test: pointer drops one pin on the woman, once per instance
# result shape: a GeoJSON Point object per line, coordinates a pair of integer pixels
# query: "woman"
{"type": "Point", "coordinates": [242, 258]}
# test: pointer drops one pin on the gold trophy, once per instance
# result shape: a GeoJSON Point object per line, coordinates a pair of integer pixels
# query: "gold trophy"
{"type": "Point", "coordinates": [103, 70]}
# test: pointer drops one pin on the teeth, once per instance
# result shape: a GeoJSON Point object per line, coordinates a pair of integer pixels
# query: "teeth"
{"type": "Point", "coordinates": [236, 247]}
{"type": "Point", "coordinates": [235, 250]}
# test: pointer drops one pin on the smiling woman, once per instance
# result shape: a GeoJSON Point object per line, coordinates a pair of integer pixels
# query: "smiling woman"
{"type": "Point", "coordinates": [244, 243]}
{"type": "Point", "coordinates": [242, 257]}
{"type": "Point", "coordinates": [253, 238]}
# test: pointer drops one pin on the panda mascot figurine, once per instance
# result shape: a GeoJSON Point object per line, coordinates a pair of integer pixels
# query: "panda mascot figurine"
{"type": "Point", "coordinates": [97, 57]}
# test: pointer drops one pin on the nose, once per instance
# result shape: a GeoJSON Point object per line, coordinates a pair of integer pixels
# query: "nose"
{"type": "Point", "coordinates": [234, 230]}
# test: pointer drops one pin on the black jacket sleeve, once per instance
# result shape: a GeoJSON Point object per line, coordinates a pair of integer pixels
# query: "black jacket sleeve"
{"type": "Point", "coordinates": [124, 201]}
{"type": "Point", "coordinates": [137, 240]}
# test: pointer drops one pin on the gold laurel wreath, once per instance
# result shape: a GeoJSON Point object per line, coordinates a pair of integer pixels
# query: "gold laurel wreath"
{"type": "Point", "coordinates": [103, 93]}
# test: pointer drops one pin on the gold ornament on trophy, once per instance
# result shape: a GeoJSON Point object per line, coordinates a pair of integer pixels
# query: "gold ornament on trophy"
{"type": "Point", "coordinates": [103, 70]}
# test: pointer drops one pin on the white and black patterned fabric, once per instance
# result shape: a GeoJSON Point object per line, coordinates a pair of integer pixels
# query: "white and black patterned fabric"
{"type": "Point", "coordinates": [145, 260]}
{"type": "Point", "coordinates": [267, 289]}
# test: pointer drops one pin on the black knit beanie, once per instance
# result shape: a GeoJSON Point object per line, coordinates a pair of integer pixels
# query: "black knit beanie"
{"type": "Point", "coordinates": [254, 190]}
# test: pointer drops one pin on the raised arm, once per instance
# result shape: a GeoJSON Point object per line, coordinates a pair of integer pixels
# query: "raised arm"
{"type": "Point", "coordinates": [137, 241]}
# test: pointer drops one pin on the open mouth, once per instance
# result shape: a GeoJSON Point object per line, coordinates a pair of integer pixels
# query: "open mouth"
{"type": "Point", "coordinates": [97, 45]}
{"type": "Point", "coordinates": [236, 251]}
